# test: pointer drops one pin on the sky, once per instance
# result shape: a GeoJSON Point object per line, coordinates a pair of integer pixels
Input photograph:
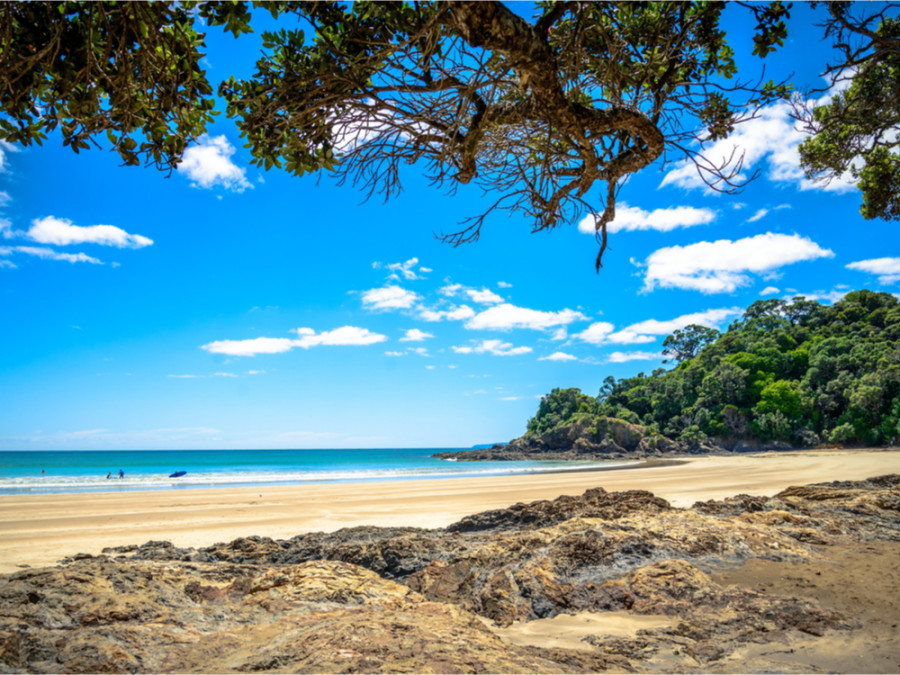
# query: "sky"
{"type": "Point", "coordinates": [223, 306]}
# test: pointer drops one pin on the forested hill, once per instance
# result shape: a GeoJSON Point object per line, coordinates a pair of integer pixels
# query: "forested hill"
{"type": "Point", "coordinates": [795, 372]}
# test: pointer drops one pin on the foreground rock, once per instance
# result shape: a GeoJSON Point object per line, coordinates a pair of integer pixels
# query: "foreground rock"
{"type": "Point", "coordinates": [406, 599]}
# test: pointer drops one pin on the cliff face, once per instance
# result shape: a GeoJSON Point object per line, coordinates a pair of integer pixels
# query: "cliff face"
{"type": "Point", "coordinates": [412, 600]}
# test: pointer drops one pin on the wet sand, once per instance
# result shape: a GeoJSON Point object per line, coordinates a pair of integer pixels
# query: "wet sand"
{"type": "Point", "coordinates": [38, 530]}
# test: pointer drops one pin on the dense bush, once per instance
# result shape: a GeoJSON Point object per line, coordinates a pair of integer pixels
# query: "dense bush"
{"type": "Point", "coordinates": [798, 372]}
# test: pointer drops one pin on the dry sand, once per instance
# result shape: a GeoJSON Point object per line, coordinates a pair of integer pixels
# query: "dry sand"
{"type": "Point", "coordinates": [38, 530]}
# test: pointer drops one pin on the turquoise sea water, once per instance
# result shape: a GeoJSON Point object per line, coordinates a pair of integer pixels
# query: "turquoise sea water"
{"type": "Point", "coordinates": [86, 471]}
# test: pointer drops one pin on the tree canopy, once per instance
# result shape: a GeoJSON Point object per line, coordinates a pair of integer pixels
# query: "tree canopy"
{"type": "Point", "coordinates": [795, 372]}
{"type": "Point", "coordinates": [547, 116]}
{"type": "Point", "coordinates": [858, 131]}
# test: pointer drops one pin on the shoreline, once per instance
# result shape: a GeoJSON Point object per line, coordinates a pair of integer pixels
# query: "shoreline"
{"type": "Point", "coordinates": [39, 529]}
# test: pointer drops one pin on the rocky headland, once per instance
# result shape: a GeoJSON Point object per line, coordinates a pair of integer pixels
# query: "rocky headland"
{"type": "Point", "coordinates": [600, 438]}
{"type": "Point", "coordinates": [804, 581]}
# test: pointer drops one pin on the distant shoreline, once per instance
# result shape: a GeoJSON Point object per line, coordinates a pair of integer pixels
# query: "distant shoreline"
{"type": "Point", "coordinates": [40, 529]}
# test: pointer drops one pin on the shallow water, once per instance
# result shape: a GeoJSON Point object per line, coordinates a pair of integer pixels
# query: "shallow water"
{"type": "Point", "coordinates": [86, 471]}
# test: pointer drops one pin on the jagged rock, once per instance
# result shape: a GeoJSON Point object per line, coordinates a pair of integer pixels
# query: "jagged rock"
{"type": "Point", "coordinates": [594, 503]}
{"type": "Point", "coordinates": [332, 602]}
{"type": "Point", "coordinates": [139, 616]}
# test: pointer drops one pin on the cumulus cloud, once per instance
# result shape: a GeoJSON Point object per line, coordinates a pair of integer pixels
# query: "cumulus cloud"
{"type": "Point", "coordinates": [346, 335]}
{"type": "Point", "coordinates": [208, 164]}
{"type": "Point", "coordinates": [506, 316]}
{"type": "Point", "coordinates": [484, 296]}
{"type": "Point", "coordinates": [251, 347]}
{"type": "Point", "coordinates": [887, 269]}
{"type": "Point", "coordinates": [597, 333]}
{"type": "Point", "coordinates": [771, 140]}
{"type": "Point", "coordinates": [453, 314]}
{"type": "Point", "coordinates": [647, 331]}
{"type": "Point", "coordinates": [495, 347]}
{"type": "Point", "coordinates": [631, 218]}
{"type": "Point", "coordinates": [624, 357]}
{"type": "Point", "coordinates": [62, 232]}
{"type": "Point", "coordinates": [721, 266]}
{"type": "Point", "coordinates": [503, 284]}
{"type": "Point", "coordinates": [415, 335]}
{"type": "Point", "coordinates": [559, 356]}
{"type": "Point", "coordinates": [770, 290]}
{"type": "Point", "coordinates": [389, 297]}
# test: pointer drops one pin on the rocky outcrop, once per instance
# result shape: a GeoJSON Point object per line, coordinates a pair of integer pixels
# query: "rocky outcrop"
{"type": "Point", "coordinates": [406, 599]}
{"type": "Point", "coordinates": [586, 439]}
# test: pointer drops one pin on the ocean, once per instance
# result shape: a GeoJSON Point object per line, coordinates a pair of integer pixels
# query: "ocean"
{"type": "Point", "coordinates": [50, 472]}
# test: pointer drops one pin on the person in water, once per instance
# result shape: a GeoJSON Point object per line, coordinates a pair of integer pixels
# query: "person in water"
{"type": "Point", "coordinates": [121, 473]}
{"type": "Point", "coordinates": [109, 475]}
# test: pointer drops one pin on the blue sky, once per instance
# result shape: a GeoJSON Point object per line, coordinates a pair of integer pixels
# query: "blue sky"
{"type": "Point", "coordinates": [227, 307]}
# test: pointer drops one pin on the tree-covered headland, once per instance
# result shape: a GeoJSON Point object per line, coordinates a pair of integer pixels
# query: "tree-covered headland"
{"type": "Point", "coordinates": [795, 372]}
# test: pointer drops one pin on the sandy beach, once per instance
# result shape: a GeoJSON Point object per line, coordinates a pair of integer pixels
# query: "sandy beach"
{"type": "Point", "coordinates": [38, 530]}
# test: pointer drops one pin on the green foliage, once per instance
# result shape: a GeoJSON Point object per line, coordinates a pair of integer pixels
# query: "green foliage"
{"type": "Point", "coordinates": [685, 342]}
{"type": "Point", "coordinates": [856, 132]}
{"type": "Point", "coordinates": [129, 71]}
{"type": "Point", "coordinates": [794, 372]}
{"type": "Point", "coordinates": [559, 407]}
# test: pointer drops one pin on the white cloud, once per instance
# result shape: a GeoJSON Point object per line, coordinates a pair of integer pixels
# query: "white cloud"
{"type": "Point", "coordinates": [61, 232]}
{"type": "Point", "coordinates": [624, 357]}
{"type": "Point", "coordinates": [518, 398]}
{"type": "Point", "coordinates": [415, 335]}
{"type": "Point", "coordinates": [389, 297]}
{"type": "Point", "coordinates": [185, 377]}
{"type": "Point", "coordinates": [450, 290]}
{"type": "Point", "coordinates": [406, 270]}
{"type": "Point", "coordinates": [507, 316]}
{"type": "Point", "coordinates": [208, 163]}
{"type": "Point", "coordinates": [820, 296]}
{"type": "Point", "coordinates": [770, 138]}
{"type": "Point", "coordinates": [395, 353]}
{"type": "Point", "coordinates": [887, 269]}
{"type": "Point", "coordinates": [484, 296]}
{"type": "Point", "coordinates": [252, 347]}
{"type": "Point", "coordinates": [631, 218]}
{"type": "Point", "coordinates": [597, 333]}
{"type": "Point", "coordinates": [759, 215]}
{"type": "Point", "coordinates": [647, 331]}
{"type": "Point", "coordinates": [225, 375]}
{"type": "Point", "coordinates": [8, 264]}
{"type": "Point", "coordinates": [503, 284]}
{"type": "Point", "coordinates": [453, 314]}
{"type": "Point", "coordinates": [345, 335]}
{"type": "Point", "coordinates": [720, 266]}
{"type": "Point", "coordinates": [50, 254]}
{"type": "Point", "coordinates": [4, 198]}
{"type": "Point", "coordinates": [495, 347]}
{"type": "Point", "coordinates": [559, 356]}
{"type": "Point", "coordinates": [769, 290]}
